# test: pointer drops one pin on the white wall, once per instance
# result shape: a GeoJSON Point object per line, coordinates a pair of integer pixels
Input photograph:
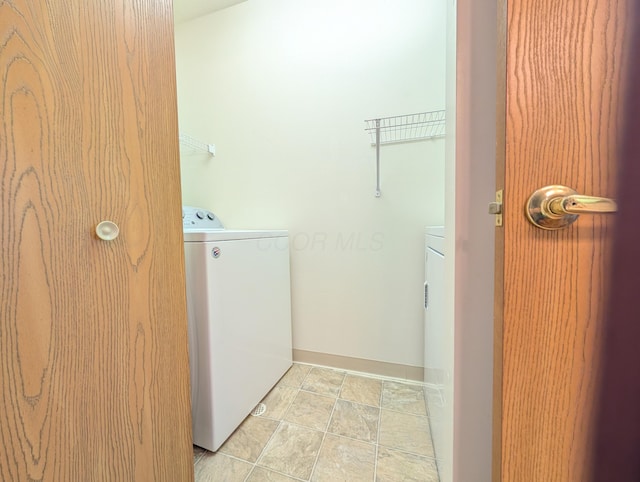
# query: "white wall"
{"type": "Point", "coordinates": [282, 88]}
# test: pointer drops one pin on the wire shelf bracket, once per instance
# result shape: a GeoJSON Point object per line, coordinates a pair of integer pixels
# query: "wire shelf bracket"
{"type": "Point", "coordinates": [195, 144]}
{"type": "Point", "coordinates": [403, 128]}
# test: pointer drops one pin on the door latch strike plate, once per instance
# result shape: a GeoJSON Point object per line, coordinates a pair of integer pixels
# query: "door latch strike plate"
{"type": "Point", "coordinates": [496, 208]}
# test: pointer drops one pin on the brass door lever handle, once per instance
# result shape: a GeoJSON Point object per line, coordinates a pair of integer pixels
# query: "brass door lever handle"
{"type": "Point", "coordinates": [577, 204]}
{"type": "Point", "coordinates": [556, 207]}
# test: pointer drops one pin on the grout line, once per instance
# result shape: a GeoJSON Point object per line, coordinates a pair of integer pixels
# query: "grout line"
{"type": "Point", "coordinates": [319, 394]}
{"type": "Point", "coordinates": [375, 461]}
{"type": "Point", "coordinates": [420, 456]}
{"type": "Point", "coordinates": [201, 452]}
{"type": "Point", "coordinates": [433, 445]}
{"type": "Point", "coordinates": [326, 428]}
{"type": "Point", "coordinates": [280, 421]}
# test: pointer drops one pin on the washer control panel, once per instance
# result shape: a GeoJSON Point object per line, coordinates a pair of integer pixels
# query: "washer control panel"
{"type": "Point", "coordinates": [195, 219]}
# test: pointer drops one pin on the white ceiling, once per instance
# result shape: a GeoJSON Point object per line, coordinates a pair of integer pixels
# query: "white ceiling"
{"type": "Point", "coordinates": [184, 10]}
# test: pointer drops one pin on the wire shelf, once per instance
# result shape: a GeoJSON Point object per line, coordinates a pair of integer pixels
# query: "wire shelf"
{"type": "Point", "coordinates": [405, 128]}
{"type": "Point", "coordinates": [195, 144]}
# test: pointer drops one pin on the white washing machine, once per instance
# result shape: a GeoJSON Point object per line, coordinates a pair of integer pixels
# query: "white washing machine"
{"type": "Point", "coordinates": [239, 311]}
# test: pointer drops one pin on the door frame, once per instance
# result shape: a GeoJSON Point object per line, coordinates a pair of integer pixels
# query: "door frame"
{"type": "Point", "coordinates": [470, 180]}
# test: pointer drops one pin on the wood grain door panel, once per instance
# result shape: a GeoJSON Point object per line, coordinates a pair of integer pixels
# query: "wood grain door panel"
{"type": "Point", "coordinates": [93, 346]}
{"type": "Point", "coordinates": [564, 68]}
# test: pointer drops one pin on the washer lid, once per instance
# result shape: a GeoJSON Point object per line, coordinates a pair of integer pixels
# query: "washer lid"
{"type": "Point", "coordinates": [198, 219]}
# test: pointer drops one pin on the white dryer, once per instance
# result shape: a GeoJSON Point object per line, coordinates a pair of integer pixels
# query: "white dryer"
{"type": "Point", "coordinates": [434, 320]}
{"type": "Point", "coordinates": [239, 311]}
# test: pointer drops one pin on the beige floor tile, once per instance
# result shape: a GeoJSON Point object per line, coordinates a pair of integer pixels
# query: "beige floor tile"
{"type": "Point", "coordinates": [310, 410]}
{"type": "Point", "coordinates": [403, 397]}
{"type": "Point", "coordinates": [343, 459]}
{"type": "Point", "coordinates": [355, 420]}
{"type": "Point", "coordinates": [405, 432]}
{"type": "Point", "coordinates": [260, 474]}
{"type": "Point", "coordinates": [361, 390]}
{"type": "Point", "coordinates": [220, 468]}
{"type": "Point", "coordinates": [324, 381]}
{"type": "Point", "coordinates": [295, 376]}
{"type": "Point", "coordinates": [278, 400]}
{"type": "Point", "coordinates": [393, 465]}
{"type": "Point", "coordinates": [248, 441]}
{"type": "Point", "coordinates": [292, 450]}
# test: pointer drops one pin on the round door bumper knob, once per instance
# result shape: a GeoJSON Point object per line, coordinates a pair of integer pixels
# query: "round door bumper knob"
{"type": "Point", "coordinates": [107, 230]}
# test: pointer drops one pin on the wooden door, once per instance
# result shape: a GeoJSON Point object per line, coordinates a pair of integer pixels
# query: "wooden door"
{"type": "Point", "coordinates": [94, 379]}
{"type": "Point", "coordinates": [562, 118]}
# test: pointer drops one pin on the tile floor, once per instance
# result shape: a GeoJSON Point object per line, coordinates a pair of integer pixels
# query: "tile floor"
{"type": "Point", "coordinates": [323, 424]}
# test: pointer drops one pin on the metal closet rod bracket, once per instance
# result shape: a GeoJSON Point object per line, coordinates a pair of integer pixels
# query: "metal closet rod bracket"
{"type": "Point", "coordinates": [403, 128]}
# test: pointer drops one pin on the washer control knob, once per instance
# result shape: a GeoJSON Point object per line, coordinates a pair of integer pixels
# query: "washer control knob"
{"type": "Point", "coordinates": [210, 216]}
{"type": "Point", "coordinates": [199, 214]}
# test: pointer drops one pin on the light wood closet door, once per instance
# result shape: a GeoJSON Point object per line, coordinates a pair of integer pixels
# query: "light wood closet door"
{"type": "Point", "coordinates": [94, 382]}
{"type": "Point", "coordinates": [563, 75]}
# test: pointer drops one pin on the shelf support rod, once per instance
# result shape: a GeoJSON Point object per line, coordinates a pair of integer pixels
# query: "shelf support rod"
{"type": "Point", "coordinates": [378, 192]}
